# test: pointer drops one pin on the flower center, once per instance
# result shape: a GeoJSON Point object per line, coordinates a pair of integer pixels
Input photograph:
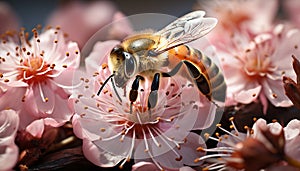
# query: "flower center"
{"type": "Point", "coordinates": [258, 66]}
{"type": "Point", "coordinates": [257, 61]}
{"type": "Point", "coordinates": [34, 70]}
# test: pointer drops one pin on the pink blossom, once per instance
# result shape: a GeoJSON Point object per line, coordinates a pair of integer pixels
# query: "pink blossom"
{"type": "Point", "coordinates": [36, 75]}
{"type": "Point", "coordinates": [9, 152]}
{"type": "Point", "coordinates": [292, 9]}
{"type": "Point", "coordinates": [237, 15]}
{"type": "Point", "coordinates": [8, 18]}
{"type": "Point", "coordinates": [265, 140]}
{"type": "Point", "coordinates": [90, 17]}
{"type": "Point", "coordinates": [121, 133]}
{"type": "Point", "coordinates": [254, 68]}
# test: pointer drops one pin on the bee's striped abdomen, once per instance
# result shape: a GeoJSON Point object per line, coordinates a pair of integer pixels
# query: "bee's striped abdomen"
{"type": "Point", "coordinates": [207, 75]}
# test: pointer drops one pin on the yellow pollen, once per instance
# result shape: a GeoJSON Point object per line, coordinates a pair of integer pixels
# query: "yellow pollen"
{"type": "Point", "coordinates": [218, 125]}
{"type": "Point", "coordinates": [206, 135]}
{"type": "Point", "coordinates": [196, 160]}
{"type": "Point", "coordinates": [274, 95]}
{"type": "Point", "coordinates": [102, 129]}
{"type": "Point", "coordinates": [231, 118]}
{"type": "Point", "coordinates": [110, 110]}
{"type": "Point", "coordinates": [104, 65]}
{"type": "Point", "coordinates": [105, 91]}
{"type": "Point", "coordinates": [46, 99]}
{"type": "Point", "coordinates": [200, 149]}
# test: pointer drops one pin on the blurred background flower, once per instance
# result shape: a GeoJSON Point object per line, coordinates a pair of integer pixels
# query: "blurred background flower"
{"type": "Point", "coordinates": [8, 18]}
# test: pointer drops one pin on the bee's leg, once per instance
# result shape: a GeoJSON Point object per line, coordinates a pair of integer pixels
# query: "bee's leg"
{"type": "Point", "coordinates": [197, 76]}
{"type": "Point", "coordinates": [152, 99]}
{"type": "Point", "coordinates": [134, 91]}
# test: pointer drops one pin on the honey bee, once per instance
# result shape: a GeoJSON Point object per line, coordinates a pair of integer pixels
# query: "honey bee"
{"type": "Point", "coordinates": [144, 55]}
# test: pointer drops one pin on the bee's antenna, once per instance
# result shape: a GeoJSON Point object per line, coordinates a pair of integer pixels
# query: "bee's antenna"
{"type": "Point", "coordinates": [114, 87]}
{"type": "Point", "coordinates": [113, 84]}
{"type": "Point", "coordinates": [101, 88]}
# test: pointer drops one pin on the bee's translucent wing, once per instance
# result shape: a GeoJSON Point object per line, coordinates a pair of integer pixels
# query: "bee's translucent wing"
{"type": "Point", "coordinates": [185, 29]}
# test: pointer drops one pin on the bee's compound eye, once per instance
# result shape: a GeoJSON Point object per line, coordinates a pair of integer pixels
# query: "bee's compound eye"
{"type": "Point", "coordinates": [130, 64]}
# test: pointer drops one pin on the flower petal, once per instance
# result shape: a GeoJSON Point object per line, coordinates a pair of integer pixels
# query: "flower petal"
{"type": "Point", "coordinates": [99, 55]}
{"type": "Point", "coordinates": [9, 123]}
{"type": "Point", "coordinates": [274, 91]}
{"type": "Point", "coordinates": [36, 128]}
{"type": "Point", "coordinates": [99, 157]}
{"type": "Point", "coordinates": [248, 96]}
{"type": "Point", "coordinates": [8, 157]}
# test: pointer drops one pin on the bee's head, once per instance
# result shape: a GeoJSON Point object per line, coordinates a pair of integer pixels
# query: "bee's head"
{"type": "Point", "coordinates": [123, 64]}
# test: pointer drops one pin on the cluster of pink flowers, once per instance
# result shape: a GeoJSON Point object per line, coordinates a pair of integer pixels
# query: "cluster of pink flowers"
{"type": "Point", "coordinates": [265, 145]}
{"type": "Point", "coordinates": [254, 59]}
{"type": "Point", "coordinates": [45, 93]}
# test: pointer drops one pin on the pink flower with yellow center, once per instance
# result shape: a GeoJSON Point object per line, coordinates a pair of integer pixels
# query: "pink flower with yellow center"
{"type": "Point", "coordinates": [36, 75]}
{"type": "Point", "coordinates": [254, 68]}
{"type": "Point", "coordinates": [113, 132]}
